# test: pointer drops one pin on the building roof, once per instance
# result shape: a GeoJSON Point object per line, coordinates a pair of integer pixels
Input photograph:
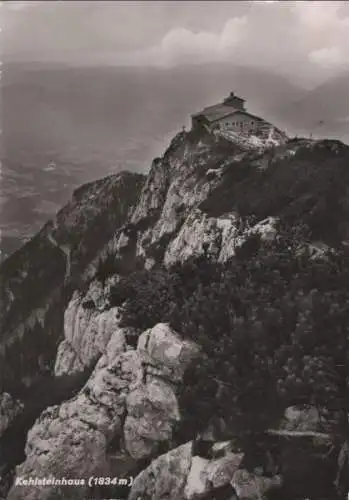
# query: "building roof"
{"type": "Point", "coordinates": [232, 97]}
{"type": "Point", "coordinates": [216, 112]}
{"type": "Point", "coordinates": [220, 111]}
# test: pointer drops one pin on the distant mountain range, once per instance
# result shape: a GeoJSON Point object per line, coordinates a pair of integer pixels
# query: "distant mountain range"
{"type": "Point", "coordinates": [63, 126]}
{"type": "Point", "coordinates": [110, 115]}
{"type": "Point", "coordinates": [324, 111]}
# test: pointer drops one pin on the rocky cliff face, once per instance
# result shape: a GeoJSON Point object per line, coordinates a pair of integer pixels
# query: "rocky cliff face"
{"type": "Point", "coordinates": [197, 192]}
{"type": "Point", "coordinates": [88, 330]}
{"type": "Point", "coordinates": [130, 398]}
{"type": "Point", "coordinates": [206, 194]}
{"type": "Point", "coordinates": [34, 281]}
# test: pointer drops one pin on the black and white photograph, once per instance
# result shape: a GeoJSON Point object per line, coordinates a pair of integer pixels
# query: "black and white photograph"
{"type": "Point", "coordinates": [174, 250]}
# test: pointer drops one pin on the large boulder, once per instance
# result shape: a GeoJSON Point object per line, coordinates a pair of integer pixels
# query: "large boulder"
{"type": "Point", "coordinates": [152, 408]}
{"type": "Point", "coordinates": [58, 449]}
{"type": "Point", "coordinates": [250, 486]}
{"type": "Point", "coordinates": [67, 360]}
{"type": "Point", "coordinates": [301, 418]}
{"type": "Point", "coordinates": [177, 475]}
{"type": "Point", "coordinates": [166, 476]}
{"type": "Point", "coordinates": [88, 332]}
{"type": "Point", "coordinates": [165, 354]}
{"type": "Point", "coordinates": [152, 413]}
{"type": "Point", "coordinates": [205, 475]}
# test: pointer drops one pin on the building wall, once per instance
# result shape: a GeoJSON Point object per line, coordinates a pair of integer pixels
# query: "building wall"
{"type": "Point", "coordinates": [198, 123]}
{"type": "Point", "coordinates": [241, 123]}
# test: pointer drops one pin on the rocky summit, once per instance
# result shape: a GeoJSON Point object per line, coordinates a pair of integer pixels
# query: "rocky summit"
{"type": "Point", "coordinates": [187, 329]}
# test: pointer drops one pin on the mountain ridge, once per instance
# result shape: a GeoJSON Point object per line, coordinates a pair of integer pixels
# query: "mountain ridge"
{"type": "Point", "coordinates": [204, 198]}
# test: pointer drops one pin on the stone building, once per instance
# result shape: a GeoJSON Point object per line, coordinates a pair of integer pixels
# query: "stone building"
{"type": "Point", "coordinates": [231, 115]}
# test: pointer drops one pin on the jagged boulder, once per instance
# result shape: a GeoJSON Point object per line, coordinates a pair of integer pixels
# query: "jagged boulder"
{"type": "Point", "coordinates": [177, 475]}
{"type": "Point", "coordinates": [205, 475]}
{"type": "Point", "coordinates": [67, 360]}
{"type": "Point", "coordinates": [303, 419]}
{"type": "Point", "coordinates": [166, 476]}
{"type": "Point", "coordinates": [59, 449]}
{"type": "Point", "coordinates": [165, 354]}
{"type": "Point", "coordinates": [88, 333]}
{"type": "Point", "coordinates": [250, 486]}
{"type": "Point", "coordinates": [152, 408]}
{"type": "Point", "coordinates": [152, 413]}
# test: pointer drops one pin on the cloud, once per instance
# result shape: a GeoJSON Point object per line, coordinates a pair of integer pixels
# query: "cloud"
{"type": "Point", "coordinates": [329, 57]}
{"type": "Point", "coordinates": [180, 45]}
{"type": "Point", "coordinates": [291, 37]}
{"type": "Point", "coordinates": [327, 31]}
{"type": "Point", "coordinates": [315, 14]}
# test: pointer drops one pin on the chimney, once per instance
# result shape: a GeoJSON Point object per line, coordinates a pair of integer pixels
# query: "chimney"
{"type": "Point", "coordinates": [234, 101]}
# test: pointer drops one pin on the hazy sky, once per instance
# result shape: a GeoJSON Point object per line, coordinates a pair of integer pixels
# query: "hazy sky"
{"type": "Point", "coordinates": [305, 37]}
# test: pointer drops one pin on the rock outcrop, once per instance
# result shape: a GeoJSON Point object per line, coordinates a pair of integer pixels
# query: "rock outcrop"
{"type": "Point", "coordinates": [33, 321]}
{"type": "Point", "coordinates": [172, 190]}
{"type": "Point", "coordinates": [221, 235]}
{"type": "Point", "coordinates": [64, 436]}
{"type": "Point", "coordinates": [165, 477]}
{"type": "Point", "coordinates": [165, 354]}
{"type": "Point", "coordinates": [178, 475]}
{"type": "Point", "coordinates": [302, 419]}
{"type": "Point", "coordinates": [89, 332]}
{"type": "Point", "coordinates": [249, 486]}
{"type": "Point", "coordinates": [152, 409]}
{"type": "Point", "coordinates": [197, 192]}
{"type": "Point", "coordinates": [130, 395]}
